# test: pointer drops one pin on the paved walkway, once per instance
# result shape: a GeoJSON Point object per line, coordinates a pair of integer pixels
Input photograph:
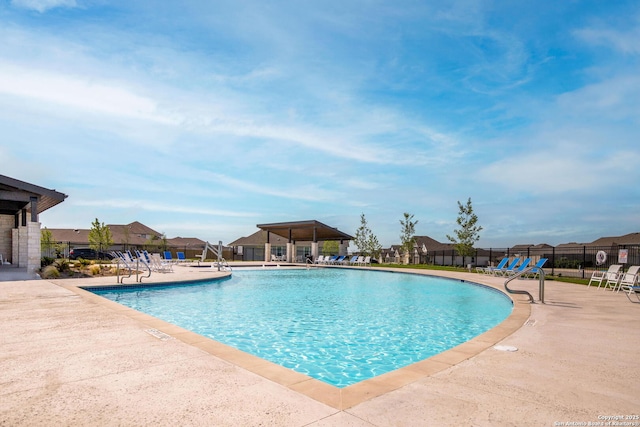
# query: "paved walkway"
{"type": "Point", "coordinates": [70, 359]}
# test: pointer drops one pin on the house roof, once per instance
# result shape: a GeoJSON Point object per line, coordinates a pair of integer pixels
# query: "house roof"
{"type": "Point", "coordinates": [305, 231]}
{"type": "Point", "coordinates": [135, 233]}
{"type": "Point", "coordinates": [259, 238]}
{"type": "Point", "coordinates": [15, 195]}
{"type": "Point", "coordinates": [627, 239]}
{"type": "Point", "coordinates": [192, 242]}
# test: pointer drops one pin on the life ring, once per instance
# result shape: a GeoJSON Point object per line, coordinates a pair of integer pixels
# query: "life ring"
{"type": "Point", "coordinates": [601, 257]}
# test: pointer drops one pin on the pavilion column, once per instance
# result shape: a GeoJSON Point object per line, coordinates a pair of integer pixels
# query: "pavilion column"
{"type": "Point", "coordinates": [267, 250]}
{"type": "Point", "coordinates": [34, 209]}
{"type": "Point", "coordinates": [314, 245]}
{"type": "Point", "coordinates": [289, 252]}
{"type": "Point", "coordinates": [342, 249]}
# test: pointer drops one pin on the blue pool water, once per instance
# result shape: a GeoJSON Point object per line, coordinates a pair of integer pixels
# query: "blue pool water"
{"type": "Point", "coordinates": [340, 326]}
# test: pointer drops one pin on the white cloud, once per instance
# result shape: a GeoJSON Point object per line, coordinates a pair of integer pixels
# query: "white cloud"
{"type": "Point", "coordinates": [43, 5]}
{"type": "Point", "coordinates": [622, 41]}
{"type": "Point", "coordinates": [153, 206]}
{"type": "Point", "coordinates": [78, 93]}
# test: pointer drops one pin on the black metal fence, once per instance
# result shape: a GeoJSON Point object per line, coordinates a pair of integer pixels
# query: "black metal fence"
{"type": "Point", "coordinates": [572, 261]}
{"type": "Point", "coordinates": [63, 249]}
{"type": "Point", "coordinates": [565, 260]}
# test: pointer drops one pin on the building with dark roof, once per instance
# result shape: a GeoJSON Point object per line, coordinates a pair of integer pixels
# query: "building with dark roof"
{"type": "Point", "coordinates": [20, 205]}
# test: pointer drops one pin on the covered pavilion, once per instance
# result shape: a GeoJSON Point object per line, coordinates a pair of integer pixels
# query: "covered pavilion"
{"type": "Point", "coordinates": [312, 230]}
{"type": "Point", "coordinates": [20, 205]}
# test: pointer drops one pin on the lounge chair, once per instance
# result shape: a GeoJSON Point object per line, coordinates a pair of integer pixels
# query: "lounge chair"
{"type": "Point", "coordinates": [520, 269]}
{"type": "Point", "coordinates": [502, 271]}
{"type": "Point", "coordinates": [181, 257]}
{"type": "Point", "coordinates": [353, 260]}
{"type": "Point", "coordinates": [339, 260]}
{"type": "Point", "coordinates": [359, 261]}
{"type": "Point", "coordinates": [535, 271]}
{"type": "Point", "coordinates": [167, 256]}
{"type": "Point", "coordinates": [611, 274]}
{"type": "Point", "coordinates": [629, 284]}
{"type": "Point", "coordinates": [630, 278]}
{"type": "Point", "coordinates": [320, 260]}
{"type": "Point", "coordinates": [330, 260]}
{"type": "Point", "coordinates": [158, 264]}
{"type": "Point", "coordinates": [366, 261]}
{"type": "Point", "coordinates": [489, 269]}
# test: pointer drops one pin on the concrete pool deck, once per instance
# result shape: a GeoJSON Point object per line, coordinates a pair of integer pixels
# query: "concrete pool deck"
{"type": "Point", "coordinates": [72, 358]}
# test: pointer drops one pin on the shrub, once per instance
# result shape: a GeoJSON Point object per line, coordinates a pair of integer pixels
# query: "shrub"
{"type": "Point", "coordinates": [94, 269]}
{"type": "Point", "coordinates": [62, 265]}
{"type": "Point", "coordinates": [46, 260]}
{"type": "Point", "coordinates": [50, 272]}
{"type": "Point", "coordinates": [83, 262]}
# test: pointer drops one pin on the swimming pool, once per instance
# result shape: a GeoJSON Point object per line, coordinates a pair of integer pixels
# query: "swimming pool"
{"type": "Point", "coordinates": [340, 326]}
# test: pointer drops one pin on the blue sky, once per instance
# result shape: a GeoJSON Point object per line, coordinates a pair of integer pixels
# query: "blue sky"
{"type": "Point", "coordinates": [203, 119]}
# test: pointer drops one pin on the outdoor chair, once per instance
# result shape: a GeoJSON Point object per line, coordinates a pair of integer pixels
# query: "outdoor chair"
{"type": "Point", "coordinates": [520, 269]}
{"type": "Point", "coordinates": [489, 269]}
{"type": "Point", "coordinates": [535, 271]}
{"type": "Point", "coordinates": [629, 279]}
{"type": "Point", "coordinates": [598, 276]}
{"type": "Point", "coordinates": [502, 271]}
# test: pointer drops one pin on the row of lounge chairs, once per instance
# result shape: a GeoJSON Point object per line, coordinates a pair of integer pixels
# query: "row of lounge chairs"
{"type": "Point", "coordinates": [342, 260]}
{"type": "Point", "coordinates": [143, 259]}
{"type": "Point", "coordinates": [502, 269]}
{"type": "Point", "coordinates": [616, 279]}
{"type": "Point", "coordinates": [180, 257]}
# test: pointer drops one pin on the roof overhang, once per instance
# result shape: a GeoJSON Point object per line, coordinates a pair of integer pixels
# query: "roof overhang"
{"type": "Point", "coordinates": [16, 195]}
{"type": "Point", "coordinates": [305, 231]}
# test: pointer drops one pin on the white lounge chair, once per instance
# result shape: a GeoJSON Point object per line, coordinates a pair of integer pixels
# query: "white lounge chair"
{"type": "Point", "coordinates": [366, 261]}
{"type": "Point", "coordinates": [632, 290]}
{"type": "Point", "coordinates": [629, 279]}
{"type": "Point", "coordinates": [158, 264]}
{"type": "Point", "coordinates": [610, 275]}
{"type": "Point", "coordinates": [320, 259]}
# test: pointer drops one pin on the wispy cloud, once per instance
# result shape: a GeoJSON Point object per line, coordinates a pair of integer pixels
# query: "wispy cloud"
{"type": "Point", "coordinates": [43, 5]}
{"type": "Point", "coordinates": [621, 40]}
{"type": "Point", "coordinates": [251, 112]}
{"type": "Point", "coordinates": [153, 206]}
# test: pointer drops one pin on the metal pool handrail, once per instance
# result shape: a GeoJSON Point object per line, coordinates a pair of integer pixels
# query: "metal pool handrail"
{"type": "Point", "coordinates": [519, 274]}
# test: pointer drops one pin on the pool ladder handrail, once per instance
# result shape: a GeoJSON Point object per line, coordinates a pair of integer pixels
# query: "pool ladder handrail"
{"type": "Point", "coordinates": [309, 263]}
{"type": "Point", "coordinates": [518, 291]}
{"type": "Point", "coordinates": [222, 264]}
{"type": "Point", "coordinates": [128, 267]}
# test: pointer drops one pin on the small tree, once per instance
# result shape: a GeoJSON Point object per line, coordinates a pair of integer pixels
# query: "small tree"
{"type": "Point", "coordinates": [48, 246]}
{"type": "Point", "coordinates": [407, 236]}
{"type": "Point", "coordinates": [366, 241]}
{"type": "Point", "coordinates": [157, 243]}
{"type": "Point", "coordinates": [330, 247]}
{"type": "Point", "coordinates": [99, 236]}
{"type": "Point", "coordinates": [468, 233]}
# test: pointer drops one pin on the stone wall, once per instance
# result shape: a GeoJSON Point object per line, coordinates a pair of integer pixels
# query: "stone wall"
{"type": "Point", "coordinates": [6, 224]}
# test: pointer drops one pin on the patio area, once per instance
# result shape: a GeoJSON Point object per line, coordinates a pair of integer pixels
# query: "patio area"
{"type": "Point", "coordinates": [73, 359]}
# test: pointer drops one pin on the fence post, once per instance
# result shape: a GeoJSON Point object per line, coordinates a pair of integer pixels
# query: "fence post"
{"type": "Point", "coordinates": [553, 261]}
{"type": "Point", "coordinates": [584, 259]}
